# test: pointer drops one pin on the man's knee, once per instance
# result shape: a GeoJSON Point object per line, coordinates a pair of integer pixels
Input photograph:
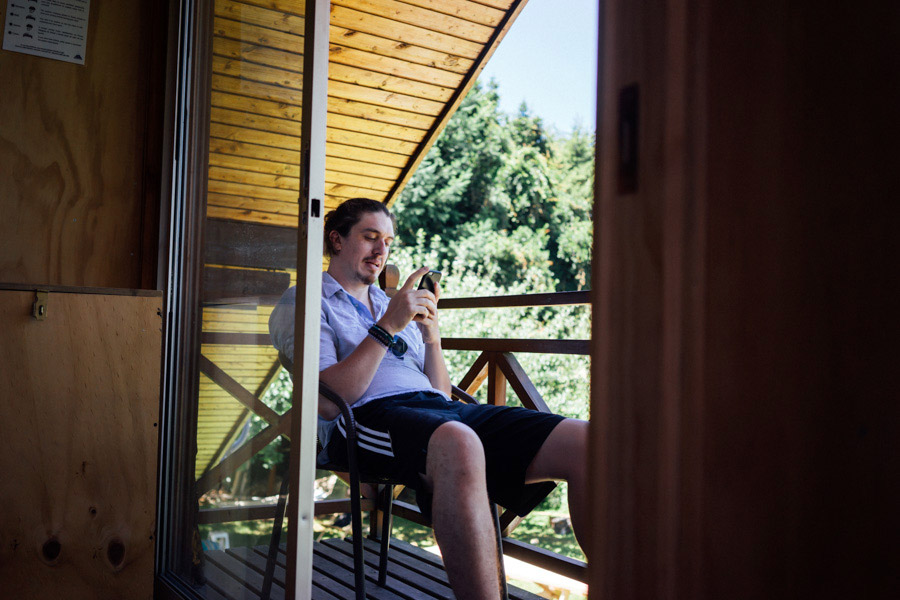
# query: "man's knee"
{"type": "Point", "coordinates": [457, 439]}
{"type": "Point", "coordinates": [455, 447]}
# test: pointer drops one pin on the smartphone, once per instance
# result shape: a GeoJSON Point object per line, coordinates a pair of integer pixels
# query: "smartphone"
{"type": "Point", "coordinates": [429, 281]}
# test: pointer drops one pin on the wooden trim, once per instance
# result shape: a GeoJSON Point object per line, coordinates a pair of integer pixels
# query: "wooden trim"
{"type": "Point", "coordinates": [69, 289]}
{"type": "Point", "coordinates": [250, 244]}
{"type": "Point", "coordinates": [483, 344]}
{"type": "Point", "coordinates": [549, 299]}
{"type": "Point", "coordinates": [240, 286]}
{"type": "Point", "coordinates": [456, 99]}
{"type": "Point", "coordinates": [463, 396]}
{"type": "Point", "coordinates": [168, 127]}
{"type": "Point", "coordinates": [267, 380]}
{"type": "Point", "coordinates": [155, 47]}
{"type": "Point", "coordinates": [227, 440]}
{"type": "Point", "coordinates": [574, 569]}
{"type": "Point", "coordinates": [234, 460]}
{"type": "Point", "coordinates": [509, 521]}
{"type": "Point", "coordinates": [256, 512]}
{"type": "Point", "coordinates": [230, 514]}
{"type": "Point", "coordinates": [496, 382]}
{"type": "Point", "coordinates": [237, 391]}
{"type": "Point", "coordinates": [595, 458]}
{"type": "Point", "coordinates": [235, 339]}
{"type": "Point", "coordinates": [476, 374]}
{"type": "Point", "coordinates": [521, 383]}
{"type": "Point", "coordinates": [409, 512]}
{"type": "Point", "coordinates": [341, 505]}
{"type": "Point", "coordinates": [516, 345]}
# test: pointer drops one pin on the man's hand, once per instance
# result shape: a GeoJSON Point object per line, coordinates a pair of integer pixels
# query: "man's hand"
{"type": "Point", "coordinates": [408, 304]}
{"type": "Point", "coordinates": [429, 326]}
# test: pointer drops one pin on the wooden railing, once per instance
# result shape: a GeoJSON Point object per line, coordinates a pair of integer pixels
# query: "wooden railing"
{"type": "Point", "coordinates": [496, 364]}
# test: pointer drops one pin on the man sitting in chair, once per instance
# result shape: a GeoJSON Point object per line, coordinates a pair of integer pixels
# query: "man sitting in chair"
{"type": "Point", "coordinates": [383, 356]}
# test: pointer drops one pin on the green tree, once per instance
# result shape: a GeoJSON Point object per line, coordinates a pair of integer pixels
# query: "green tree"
{"type": "Point", "coordinates": [571, 229]}
{"type": "Point", "coordinates": [452, 184]}
{"type": "Point", "coordinates": [501, 197]}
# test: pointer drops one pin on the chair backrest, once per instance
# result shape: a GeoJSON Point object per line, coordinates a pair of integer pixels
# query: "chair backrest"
{"type": "Point", "coordinates": [286, 363]}
{"type": "Point", "coordinates": [389, 280]}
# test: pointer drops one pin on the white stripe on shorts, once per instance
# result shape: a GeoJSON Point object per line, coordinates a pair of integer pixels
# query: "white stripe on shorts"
{"type": "Point", "coordinates": [370, 439]}
{"type": "Point", "coordinates": [378, 434]}
{"type": "Point", "coordinates": [376, 449]}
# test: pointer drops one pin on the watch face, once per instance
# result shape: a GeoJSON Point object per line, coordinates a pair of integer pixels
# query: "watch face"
{"type": "Point", "coordinates": [399, 346]}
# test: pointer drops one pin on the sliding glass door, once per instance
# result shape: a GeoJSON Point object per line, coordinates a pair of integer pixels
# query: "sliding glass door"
{"type": "Point", "coordinates": [246, 203]}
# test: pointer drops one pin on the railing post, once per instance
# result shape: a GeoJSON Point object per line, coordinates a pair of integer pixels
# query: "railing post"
{"type": "Point", "coordinates": [496, 382]}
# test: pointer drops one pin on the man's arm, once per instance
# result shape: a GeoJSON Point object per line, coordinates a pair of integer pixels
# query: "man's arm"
{"type": "Point", "coordinates": [435, 367]}
{"type": "Point", "coordinates": [351, 377]}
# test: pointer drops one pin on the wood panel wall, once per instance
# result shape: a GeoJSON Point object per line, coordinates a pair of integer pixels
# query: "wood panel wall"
{"type": "Point", "coordinates": [79, 410]}
{"type": "Point", "coordinates": [746, 416]}
{"type": "Point", "coordinates": [80, 155]}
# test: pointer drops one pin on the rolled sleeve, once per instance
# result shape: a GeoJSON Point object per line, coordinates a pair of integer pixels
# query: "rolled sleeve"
{"type": "Point", "coordinates": [328, 342]}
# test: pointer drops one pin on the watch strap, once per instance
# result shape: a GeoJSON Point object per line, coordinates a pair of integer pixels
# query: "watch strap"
{"type": "Point", "coordinates": [381, 336]}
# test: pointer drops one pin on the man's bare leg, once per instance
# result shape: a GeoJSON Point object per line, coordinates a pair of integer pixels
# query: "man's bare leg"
{"type": "Point", "coordinates": [462, 520]}
{"type": "Point", "coordinates": [564, 456]}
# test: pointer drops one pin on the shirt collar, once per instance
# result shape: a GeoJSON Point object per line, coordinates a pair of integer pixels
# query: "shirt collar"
{"type": "Point", "coordinates": [330, 287]}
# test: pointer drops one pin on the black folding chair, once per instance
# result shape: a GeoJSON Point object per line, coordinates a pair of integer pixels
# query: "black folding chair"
{"type": "Point", "coordinates": [383, 503]}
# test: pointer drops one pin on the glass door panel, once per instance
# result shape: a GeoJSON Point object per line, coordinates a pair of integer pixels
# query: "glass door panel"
{"type": "Point", "coordinates": [242, 394]}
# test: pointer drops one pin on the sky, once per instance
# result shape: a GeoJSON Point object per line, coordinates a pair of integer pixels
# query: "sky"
{"type": "Point", "coordinates": [549, 59]}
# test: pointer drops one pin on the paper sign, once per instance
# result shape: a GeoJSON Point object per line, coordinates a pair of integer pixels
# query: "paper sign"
{"type": "Point", "coordinates": [49, 28]}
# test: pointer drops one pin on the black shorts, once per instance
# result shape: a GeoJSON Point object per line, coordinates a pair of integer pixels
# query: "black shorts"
{"type": "Point", "coordinates": [394, 433]}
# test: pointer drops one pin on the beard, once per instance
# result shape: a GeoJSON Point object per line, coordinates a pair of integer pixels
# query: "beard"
{"type": "Point", "coordinates": [367, 277]}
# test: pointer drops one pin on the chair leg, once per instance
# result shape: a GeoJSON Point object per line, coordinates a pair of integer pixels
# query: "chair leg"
{"type": "Point", "coordinates": [275, 542]}
{"type": "Point", "coordinates": [504, 590]}
{"type": "Point", "coordinates": [358, 556]}
{"type": "Point", "coordinates": [387, 504]}
{"type": "Point", "coordinates": [356, 526]}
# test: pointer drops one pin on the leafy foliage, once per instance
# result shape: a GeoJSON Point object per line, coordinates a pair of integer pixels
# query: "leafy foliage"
{"type": "Point", "coordinates": [500, 196]}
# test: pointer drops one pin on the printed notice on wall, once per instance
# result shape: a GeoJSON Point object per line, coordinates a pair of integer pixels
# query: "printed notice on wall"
{"type": "Point", "coordinates": [49, 28]}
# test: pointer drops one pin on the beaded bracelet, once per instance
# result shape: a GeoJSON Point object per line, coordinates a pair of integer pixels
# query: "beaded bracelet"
{"type": "Point", "coordinates": [396, 344]}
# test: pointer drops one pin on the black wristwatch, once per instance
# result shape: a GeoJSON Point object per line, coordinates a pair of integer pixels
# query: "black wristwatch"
{"type": "Point", "coordinates": [394, 343]}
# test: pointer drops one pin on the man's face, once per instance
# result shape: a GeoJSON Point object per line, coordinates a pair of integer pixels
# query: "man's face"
{"type": "Point", "coordinates": [361, 255]}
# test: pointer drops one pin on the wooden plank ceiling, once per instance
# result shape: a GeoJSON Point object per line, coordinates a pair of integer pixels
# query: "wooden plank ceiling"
{"type": "Point", "coordinates": [397, 71]}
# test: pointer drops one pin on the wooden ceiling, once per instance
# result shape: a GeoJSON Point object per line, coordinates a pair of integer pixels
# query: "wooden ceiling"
{"type": "Point", "coordinates": [397, 72]}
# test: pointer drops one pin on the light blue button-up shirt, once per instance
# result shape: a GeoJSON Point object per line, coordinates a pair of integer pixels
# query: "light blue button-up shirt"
{"type": "Point", "coordinates": [345, 323]}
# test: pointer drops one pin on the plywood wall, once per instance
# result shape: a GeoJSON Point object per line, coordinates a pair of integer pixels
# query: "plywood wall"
{"type": "Point", "coordinates": [79, 403]}
{"type": "Point", "coordinates": [75, 154]}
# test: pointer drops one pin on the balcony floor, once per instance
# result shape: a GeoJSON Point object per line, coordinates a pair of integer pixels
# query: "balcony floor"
{"type": "Point", "coordinates": [413, 573]}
